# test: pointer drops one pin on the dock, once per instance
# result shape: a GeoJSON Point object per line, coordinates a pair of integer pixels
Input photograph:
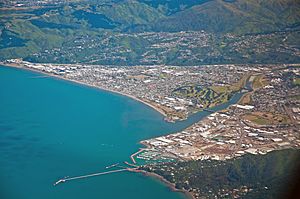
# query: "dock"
{"type": "Point", "coordinates": [136, 153]}
{"type": "Point", "coordinates": [111, 166]}
{"type": "Point", "coordinates": [132, 165]}
{"type": "Point", "coordinates": [90, 175]}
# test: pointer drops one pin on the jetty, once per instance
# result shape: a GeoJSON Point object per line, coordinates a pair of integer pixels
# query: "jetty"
{"type": "Point", "coordinates": [91, 175]}
{"type": "Point", "coordinates": [132, 165]}
{"type": "Point", "coordinates": [135, 154]}
{"type": "Point", "coordinates": [111, 166]}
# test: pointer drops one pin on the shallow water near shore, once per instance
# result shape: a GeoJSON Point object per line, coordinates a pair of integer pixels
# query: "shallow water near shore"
{"type": "Point", "coordinates": [51, 128]}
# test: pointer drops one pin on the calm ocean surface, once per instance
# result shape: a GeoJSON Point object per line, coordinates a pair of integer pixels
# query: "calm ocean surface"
{"type": "Point", "coordinates": [52, 128]}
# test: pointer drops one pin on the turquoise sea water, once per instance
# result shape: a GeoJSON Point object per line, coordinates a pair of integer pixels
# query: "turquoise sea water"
{"type": "Point", "coordinates": [51, 128]}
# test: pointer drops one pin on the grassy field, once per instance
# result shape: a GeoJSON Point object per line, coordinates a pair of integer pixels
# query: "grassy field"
{"type": "Point", "coordinates": [210, 96]}
{"type": "Point", "coordinates": [246, 99]}
{"type": "Point", "coordinates": [259, 82]}
{"type": "Point", "coordinates": [207, 97]}
{"type": "Point", "coordinates": [296, 81]}
{"type": "Point", "coordinates": [265, 118]}
{"type": "Point", "coordinates": [234, 87]}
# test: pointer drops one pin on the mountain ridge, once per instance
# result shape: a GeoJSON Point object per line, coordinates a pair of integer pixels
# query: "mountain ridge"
{"type": "Point", "coordinates": [238, 16]}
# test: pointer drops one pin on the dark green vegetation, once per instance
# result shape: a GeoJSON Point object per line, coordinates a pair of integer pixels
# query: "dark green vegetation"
{"type": "Point", "coordinates": [9, 40]}
{"type": "Point", "coordinates": [95, 20]}
{"type": "Point", "coordinates": [238, 16]}
{"type": "Point", "coordinates": [170, 7]}
{"type": "Point", "coordinates": [148, 32]}
{"type": "Point", "coordinates": [251, 176]}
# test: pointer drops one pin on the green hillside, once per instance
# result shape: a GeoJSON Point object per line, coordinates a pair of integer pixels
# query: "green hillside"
{"type": "Point", "coordinates": [149, 32]}
{"type": "Point", "coordinates": [269, 176]}
{"type": "Point", "coordinates": [131, 13]}
{"type": "Point", "coordinates": [240, 16]}
{"type": "Point", "coordinates": [169, 7]}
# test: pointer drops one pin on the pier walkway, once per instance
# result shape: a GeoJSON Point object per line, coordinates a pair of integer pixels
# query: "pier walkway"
{"type": "Point", "coordinates": [90, 175]}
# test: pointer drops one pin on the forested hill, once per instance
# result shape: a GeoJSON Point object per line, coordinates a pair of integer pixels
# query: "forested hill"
{"type": "Point", "coordinates": [180, 32]}
{"type": "Point", "coordinates": [270, 176]}
{"type": "Point", "coordinates": [235, 16]}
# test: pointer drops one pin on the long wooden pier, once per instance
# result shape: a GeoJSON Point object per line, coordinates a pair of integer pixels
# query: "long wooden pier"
{"type": "Point", "coordinates": [90, 175]}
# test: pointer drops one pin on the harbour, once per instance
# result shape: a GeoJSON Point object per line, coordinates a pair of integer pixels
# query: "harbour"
{"type": "Point", "coordinates": [44, 137]}
{"type": "Point", "coordinates": [72, 140]}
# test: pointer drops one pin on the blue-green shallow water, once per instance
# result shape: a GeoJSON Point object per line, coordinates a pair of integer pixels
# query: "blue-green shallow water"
{"type": "Point", "coordinates": [51, 128]}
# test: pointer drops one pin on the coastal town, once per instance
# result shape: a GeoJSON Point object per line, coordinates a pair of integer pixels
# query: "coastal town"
{"type": "Point", "coordinates": [13, 4]}
{"type": "Point", "coordinates": [266, 118]}
{"type": "Point", "coordinates": [158, 48]}
{"type": "Point", "coordinates": [174, 91]}
{"type": "Point", "coordinates": [150, 99]}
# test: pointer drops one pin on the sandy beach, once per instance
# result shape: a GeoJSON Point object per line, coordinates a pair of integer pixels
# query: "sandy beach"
{"type": "Point", "coordinates": [89, 85]}
{"type": "Point", "coordinates": [162, 179]}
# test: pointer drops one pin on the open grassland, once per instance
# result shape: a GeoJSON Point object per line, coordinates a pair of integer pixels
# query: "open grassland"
{"type": "Point", "coordinates": [246, 99]}
{"type": "Point", "coordinates": [259, 82]}
{"type": "Point", "coordinates": [210, 96]}
{"type": "Point", "coordinates": [296, 81]}
{"type": "Point", "coordinates": [206, 97]}
{"type": "Point", "coordinates": [265, 118]}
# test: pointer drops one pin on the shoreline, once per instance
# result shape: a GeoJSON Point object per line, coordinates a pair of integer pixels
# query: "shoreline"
{"type": "Point", "coordinates": [170, 185]}
{"type": "Point", "coordinates": [88, 85]}
{"type": "Point", "coordinates": [188, 194]}
{"type": "Point", "coordinates": [145, 173]}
